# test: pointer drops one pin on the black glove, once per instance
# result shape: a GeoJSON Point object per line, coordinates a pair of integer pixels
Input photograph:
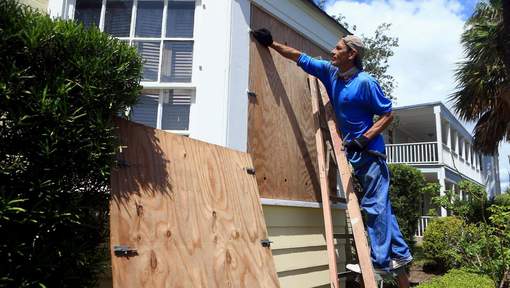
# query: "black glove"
{"type": "Point", "coordinates": [357, 144]}
{"type": "Point", "coordinates": [263, 36]}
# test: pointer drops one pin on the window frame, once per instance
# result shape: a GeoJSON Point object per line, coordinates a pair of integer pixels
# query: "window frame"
{"type": "Point", "coordinates": [150, 85]}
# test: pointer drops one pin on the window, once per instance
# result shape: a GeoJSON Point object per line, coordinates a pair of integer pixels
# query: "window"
{"type": "Point", "coordinates": [162, 32]}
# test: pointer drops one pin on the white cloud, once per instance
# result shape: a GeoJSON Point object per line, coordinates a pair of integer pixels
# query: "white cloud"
{"type": "Point", "coordinates": [429, 42]}
{"type": "Point", "coordinates": [429, 34]}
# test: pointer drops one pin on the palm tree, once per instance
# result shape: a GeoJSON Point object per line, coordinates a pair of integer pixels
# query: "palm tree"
{"type": "Point", "coordinates": [482, 79]}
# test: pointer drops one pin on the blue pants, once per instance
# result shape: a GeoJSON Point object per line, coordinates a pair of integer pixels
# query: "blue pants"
{"type": "Point", "coordinates": [386, 240]}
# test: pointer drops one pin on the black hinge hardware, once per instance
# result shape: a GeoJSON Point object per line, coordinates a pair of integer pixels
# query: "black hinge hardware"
{"type": "Point", "coordinates": [122, 163]}
{"type": "Point", "coordinates": [124, 251]}
{"type": "Point", "coordinates": [266, 243]}
{"type": "Point", "coordinates": [250, 171]}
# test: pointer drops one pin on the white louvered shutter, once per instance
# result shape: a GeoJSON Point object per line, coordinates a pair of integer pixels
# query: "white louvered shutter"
{"type": "Point", "coordinates": [149, 17]}
{"type": "Point", "coordinates": [118, 17]}
{"type": "Point", "coordinates": [177, 61]}
{"type": "Point", "coordinates": [146, 110]}
{"type": "Point", "coordinates": [88, 12]}
{"type": "Point", "coordinates": [180, 19]}
{"type": "Point", "coordinates": [176, 107]}
{"type": "Point", "coordinates": [149, 50]}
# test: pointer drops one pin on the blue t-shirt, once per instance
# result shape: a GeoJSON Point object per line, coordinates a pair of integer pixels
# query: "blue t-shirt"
{"type": "Point", "coordinates": [355, 102]}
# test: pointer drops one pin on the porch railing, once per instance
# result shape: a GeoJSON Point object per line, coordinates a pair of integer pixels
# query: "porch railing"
{"type": "Point", "coordinates": [423, 222]}
{"type": "Point", "coordinates": [418, 153]}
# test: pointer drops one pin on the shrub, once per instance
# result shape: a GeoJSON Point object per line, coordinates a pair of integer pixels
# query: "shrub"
{"type": "Point", "coordinates": [502, 200]}
{"type": "Point", "coordinates": [407, 187]}
{"type": "Point", "coordinates": [472, 210]}
{"type": "Point", "coordinates": [60, 85]}
{"type": "Point", "coordinates": [459, 279]}
{"type": "Point", "coordinates": [442, 239]}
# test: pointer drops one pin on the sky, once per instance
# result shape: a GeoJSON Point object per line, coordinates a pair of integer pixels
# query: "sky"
{"type": "Point", "coordinates": [429, 47]}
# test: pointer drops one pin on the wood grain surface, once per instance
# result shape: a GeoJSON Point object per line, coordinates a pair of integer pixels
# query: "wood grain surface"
{"type": "Point", "coordinates": [346, 179]}
{"type": "Point", "coordinates": [324, 183]}
{"type": "Point", "coordinates": [191, 211]}
{"type": "Point", "coordinates": [281, 135]}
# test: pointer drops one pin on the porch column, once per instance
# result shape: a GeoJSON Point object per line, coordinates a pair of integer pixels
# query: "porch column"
{"type": "Point", "coordinates": [448, 135]}
{"type": "Point", "coordinates": [468, 153]}
{"type": "Point", "coordinates": [442, 182]}
{"type": "Point", "coordinates": [456, 140]}
{"type": "Point", "coordinates": [439, 134]}
{"type": "Point", "coordinates": [454, 190]}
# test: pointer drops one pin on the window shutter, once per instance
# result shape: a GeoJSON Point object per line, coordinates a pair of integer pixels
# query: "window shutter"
{"type": "Point", "coordinates": [177, 61]}
{"type": "Point", "coordinates": [146, 110]}
{"type": "Point", "coordinates": [150, 55]}
{"type": "Point", "coordinates": [88, 12]}
{"type": "Point", "coordinates": [149, 16]}
{"type": "Point", "coordinates": [118, 17]}
{"type": "Point", "coordinates": [180, 19]}
{"type": "Point", "coordinates": [176, 108]}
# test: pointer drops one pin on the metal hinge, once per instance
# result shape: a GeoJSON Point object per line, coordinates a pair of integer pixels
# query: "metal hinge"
{"type": "Point", "coordinates": [266, 243]}
{"type": "Point", "coordinates": [121, 163]}
{"type": "Point", "coordinates": [250, 171]}
{"type": "Point", "coordinates": [124, 251]}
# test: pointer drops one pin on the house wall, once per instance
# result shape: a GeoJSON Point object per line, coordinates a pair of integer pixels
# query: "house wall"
{"type": "Point", "coordinates": [299, 246]}
{"type": "Point", "coordinates": [41, 5]}
{"type": "Point", "coordinates": [456, 150]}
{"type": "Point", "coordinates": [296, 14]}
{"type": "Point", "coordinates": [219, 115]}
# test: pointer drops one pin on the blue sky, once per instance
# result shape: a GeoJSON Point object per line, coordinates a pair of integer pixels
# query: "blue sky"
{"type": "Point", "coordinates": [466, 10]}
{"type": "Point", "coordinates": [429, 47]}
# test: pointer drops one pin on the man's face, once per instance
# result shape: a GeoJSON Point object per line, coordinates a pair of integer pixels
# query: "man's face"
{"type": "Point", "coordinates": [342, 54]}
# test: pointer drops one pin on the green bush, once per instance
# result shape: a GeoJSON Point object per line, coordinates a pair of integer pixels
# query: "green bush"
{"type": "Point", "coordinates": [442, 239]}
{"type": "Point", "coordinates": [472, 210]}
{"type": "Point", "coordinates": [60, 85]}
{"type": "Point", "coordinates": [480, 248]}
{"type": "Point", "coordinates": [459, 279]}
{"type": "Point", "coordinates": [502, 200]}
{"type": "Point", "coordinates": [406, 188]}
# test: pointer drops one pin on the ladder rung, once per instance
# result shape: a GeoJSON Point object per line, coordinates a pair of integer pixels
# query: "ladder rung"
{"type": "Point", "coordinates": [336, 199]}
{"type": "Point", "coordinates": [342, 236]}
{"type": "Point", "coordinates": [346, 274]}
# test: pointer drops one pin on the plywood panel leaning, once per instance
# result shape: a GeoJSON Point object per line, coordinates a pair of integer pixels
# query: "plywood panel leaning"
{"type": "Point", "coordinates": [281, 135]}
{"type": "Point", "coordinates": [190, 210]}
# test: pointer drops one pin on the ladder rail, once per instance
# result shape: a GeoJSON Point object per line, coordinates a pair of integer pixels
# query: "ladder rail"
{"type": "Point", "coordinates": [358, 229]}
{"type": "Point", "coordinates": [324, 184]}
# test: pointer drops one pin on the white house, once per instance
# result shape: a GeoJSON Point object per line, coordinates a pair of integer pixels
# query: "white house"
{"type": "Point", "coordinates": [200, 80]}
{"type": "Point", "coordinates": [429, 137]}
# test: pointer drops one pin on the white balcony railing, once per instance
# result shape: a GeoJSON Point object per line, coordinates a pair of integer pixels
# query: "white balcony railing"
{"type": "Point", "coordinates": [412, 153]}
{"type": "Point", "coordinates": [423, 222]}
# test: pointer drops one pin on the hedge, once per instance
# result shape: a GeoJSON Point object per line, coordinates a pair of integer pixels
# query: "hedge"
{"type": "Point", "coordinates": [60, 85]}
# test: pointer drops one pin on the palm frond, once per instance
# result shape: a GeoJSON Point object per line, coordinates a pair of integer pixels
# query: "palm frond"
{"type": "Point", "coordinates": [482, 78]}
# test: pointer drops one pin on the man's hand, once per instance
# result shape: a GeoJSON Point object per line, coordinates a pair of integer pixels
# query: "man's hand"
{"type": "Point", "coordinates": [263, 36]}
{"type": "Point", "coordinates": [357, 144]}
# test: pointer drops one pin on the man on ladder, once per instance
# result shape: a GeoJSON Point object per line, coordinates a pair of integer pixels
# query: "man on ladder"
{"type": "Point", "coordinates": [356, 97]}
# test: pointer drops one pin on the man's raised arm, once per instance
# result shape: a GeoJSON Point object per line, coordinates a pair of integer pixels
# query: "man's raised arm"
{"type": "Point", "coordinates": [264, 37]}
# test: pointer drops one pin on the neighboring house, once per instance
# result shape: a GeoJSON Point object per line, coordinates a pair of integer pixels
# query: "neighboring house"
{"type": "Point", "coordinates": [200, 65]}
{"type": "Point", "coordinates": [429, 137]}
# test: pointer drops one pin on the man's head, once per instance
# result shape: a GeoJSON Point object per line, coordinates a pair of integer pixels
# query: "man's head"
{"type": "Point", "coordinates": [348, 52]}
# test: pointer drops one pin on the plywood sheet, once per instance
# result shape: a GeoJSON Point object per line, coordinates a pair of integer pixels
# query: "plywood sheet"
{"type": "Point", "coordinates": [281, 131]}
{"type": "Point", "coordinates": [191, 211]}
